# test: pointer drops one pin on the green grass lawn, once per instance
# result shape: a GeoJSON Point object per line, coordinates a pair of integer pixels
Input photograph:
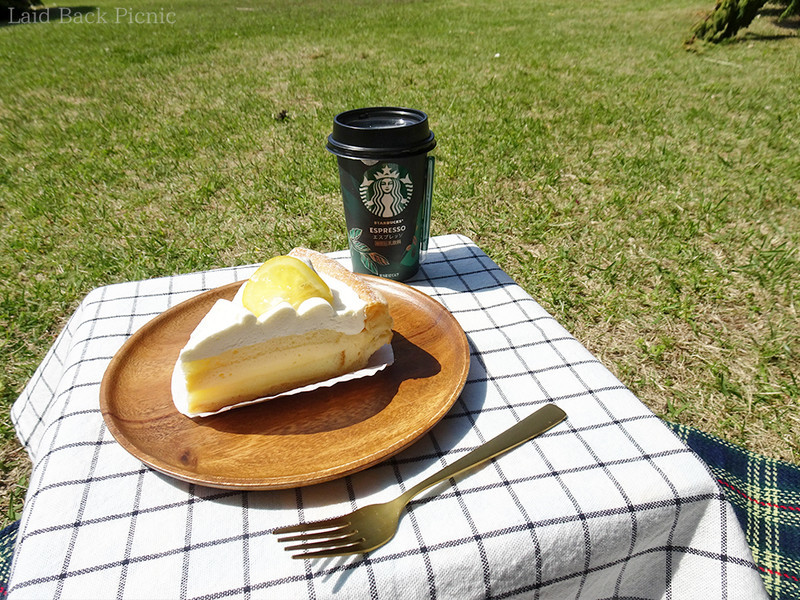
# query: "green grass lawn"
{"type": "Point", "coordinates": [647, 196]}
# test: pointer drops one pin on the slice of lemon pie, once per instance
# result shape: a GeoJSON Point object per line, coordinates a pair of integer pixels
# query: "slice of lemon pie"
{"type": "Point", "coordinates": [299, 319]}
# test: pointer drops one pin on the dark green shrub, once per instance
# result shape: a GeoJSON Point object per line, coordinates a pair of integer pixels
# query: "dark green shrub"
{"type": "Point", "coordinates": [729, 16]}
{"type": "Point", "coordinates": [18, 4]}
{"type": "Point", "coordinates": [13, 8]}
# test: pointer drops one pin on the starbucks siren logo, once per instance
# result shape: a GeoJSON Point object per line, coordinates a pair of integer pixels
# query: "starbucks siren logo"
{"type": "Point", "coordinates": [386, 190]}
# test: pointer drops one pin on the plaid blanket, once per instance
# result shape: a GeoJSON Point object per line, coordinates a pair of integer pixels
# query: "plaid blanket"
{"type": "Point", "coordinates": [8, 537]}
{"type": "Point", "coordinates": [765, 494]}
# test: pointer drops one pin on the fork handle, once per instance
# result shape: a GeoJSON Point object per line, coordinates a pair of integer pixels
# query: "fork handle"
{"type": "Point", "coordinates": [528, 428]}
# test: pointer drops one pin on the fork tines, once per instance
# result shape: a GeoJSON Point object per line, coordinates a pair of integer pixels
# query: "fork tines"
{"type": "Point", "coordinates": [336, 538]}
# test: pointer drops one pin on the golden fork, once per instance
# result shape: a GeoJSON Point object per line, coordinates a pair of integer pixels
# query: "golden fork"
{"type": "Point", "coordinates": [373, 525]}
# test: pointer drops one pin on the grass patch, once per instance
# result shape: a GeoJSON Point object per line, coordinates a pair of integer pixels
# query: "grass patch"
{"type": "Point", "coordinates": [647, 196]}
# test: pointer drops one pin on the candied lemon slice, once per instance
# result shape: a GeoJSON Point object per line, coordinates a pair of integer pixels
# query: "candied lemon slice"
{"type": "Point", "coordinates": [283, 279]}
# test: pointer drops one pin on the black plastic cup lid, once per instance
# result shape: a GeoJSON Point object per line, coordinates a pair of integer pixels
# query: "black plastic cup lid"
{"type": "Point", "coordinates": [380, 132]}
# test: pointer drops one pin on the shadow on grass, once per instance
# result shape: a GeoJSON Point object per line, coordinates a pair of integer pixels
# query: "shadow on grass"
{"type": "Point", "coordinates": [774, 16]}
{"type": "Point", "coordinates": [771, 14]}
{"type": "Point", "coordinates": [790, 23]}
{"type": "Point", "coordinates": [13, 16]}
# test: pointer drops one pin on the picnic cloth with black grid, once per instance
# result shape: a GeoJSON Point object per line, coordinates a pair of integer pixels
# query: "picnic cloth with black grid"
{"type": "Point", "coordinates": [765, 494]}
{"type": "Point", "coordinates": [608, 504]}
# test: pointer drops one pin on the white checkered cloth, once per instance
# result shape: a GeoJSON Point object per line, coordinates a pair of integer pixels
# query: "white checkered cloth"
{"type": "Point", "coordinates": [609, 504]}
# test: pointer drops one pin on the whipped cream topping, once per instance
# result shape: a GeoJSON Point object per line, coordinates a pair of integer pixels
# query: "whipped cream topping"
{"type": "Point", "coordinates": [230, 325]}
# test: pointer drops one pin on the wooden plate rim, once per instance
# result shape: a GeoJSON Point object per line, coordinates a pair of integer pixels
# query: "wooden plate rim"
{"type": "Point", "coordinates": [458, 357]}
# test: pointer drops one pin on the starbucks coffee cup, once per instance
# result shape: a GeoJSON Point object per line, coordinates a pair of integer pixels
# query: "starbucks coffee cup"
{"type": "Point", "coordinates": [386, 176]}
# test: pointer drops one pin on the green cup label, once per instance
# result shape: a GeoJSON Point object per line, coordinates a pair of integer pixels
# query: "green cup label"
{"type": "Point", "coordinates": [385, 210]}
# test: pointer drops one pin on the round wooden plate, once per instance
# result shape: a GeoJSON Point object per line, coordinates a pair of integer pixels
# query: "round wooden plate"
{"type": "Point", "coordinates": [298, 440]}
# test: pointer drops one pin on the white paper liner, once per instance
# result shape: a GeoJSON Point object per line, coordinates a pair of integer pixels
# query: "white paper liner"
{"type": "Point", "coordinates": [382, 358]}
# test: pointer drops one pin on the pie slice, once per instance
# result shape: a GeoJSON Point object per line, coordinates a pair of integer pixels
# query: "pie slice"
{"type": "Point", "coordinates": [319, 321]}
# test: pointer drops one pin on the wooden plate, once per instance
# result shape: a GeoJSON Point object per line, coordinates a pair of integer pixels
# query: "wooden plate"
{"type": "Point", "coordinates": [294, 441]}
